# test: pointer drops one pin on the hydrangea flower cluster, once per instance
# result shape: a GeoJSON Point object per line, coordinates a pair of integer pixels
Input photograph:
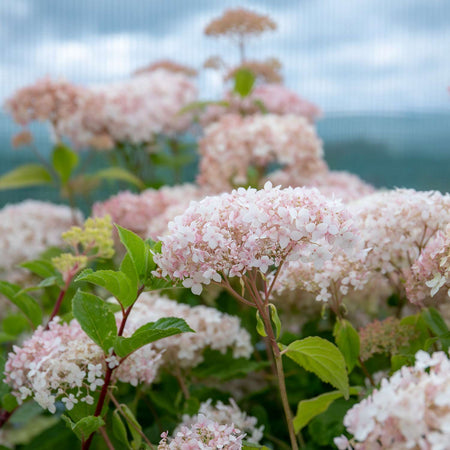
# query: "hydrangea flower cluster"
{"type": "Point", "coordinates": [398, 224]}
{"type": "Point", "coordinates": [411, 410]}
{"type": "Point", "coordinates": [28, 229]}
{"type": "Point", "coordinates": [205, 434]}
{"type": "Point", "coordinates": [213, 329]}
{"type": "Point", "coordinates": [430, 274]}
{"type": "Point", "coordinates": [147, 214]}
{"type": "Point", "coordinates": [235, 144]}
{"type": "Point", "coordinates": [231, 234]}
{"type": "Point", "coordinates": [63, 363]}
{"type": "Point", "coordinates": [133, 110]}
{"type": "Point", "coordinates": [225, 414]}
{"type": "Point", "coordinates": [45, 100]}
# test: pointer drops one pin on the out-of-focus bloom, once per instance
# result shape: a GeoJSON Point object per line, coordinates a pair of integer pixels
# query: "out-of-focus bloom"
{"type": "Point", "coordinates": [411, 410]}
{"type": "Point", "coordinates": [46, 100]}
{"type": "Point", "coordinates": [63, 363]}
{"type": "Point", "coordinates": [225, 414]}
{"type": "Point", "coordinates": [430, 274]}
{"type": "Point", "coordinates": [387, 337]}
{"type": "Point", "coordinates": [28, 229]}
{"type": "Point", "coordinates": [22, 139]}
{"type": "Point", "coordinates": [398, 224]}
{"type": "Point", "coordinates": [234, 145]}
{"type": "Point", "coordinates": [230, 234]}
{"type": "Point", "coordinates": [203, 435]}
{"type": "Point", "coordinates": [238, 23]}
{"type": "Point", "coordinates": [213, 329]}
{"type": "Point", "coordinates": [169, 66]}
{"type": "Point", "coordinates": [148, 213]}
{"type": "Point", "coordinates": [133, 110]}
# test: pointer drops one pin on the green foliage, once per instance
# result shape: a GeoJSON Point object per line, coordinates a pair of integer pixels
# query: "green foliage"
{"type": "Point", "coordinates": [115, 282]}
{"type": "Point", "coordinates": [347, 340]}
{"type": "Point", "coordinates": [150, 332]}
{"type": "Point", "coordinates": [308, 409]}
{"type": "Point", "coordinates": [244, 80]}
{"type": "Point", "coordinates": [250, 445]}
{"type": "Point", "coordinates": [437, 326]}
{"type": "Point", "coordinates": [25, 176]}
{"type": "Point", "coordinates": [323, 358]}
{"type": "Point", "coordinates": [95, 318]}
{"type": "Point", "coordinates": [118, 174]}
{"type": "Point", "coordinates": [23, 301]}
{"type": "Point", "coordinates": [84, 427]}
{"type": "Point", "coordinates": [276, 322]}
{"type": "Point", "coordinates": [64, 161]}
{"type": "Point", "coordinates": [260, 328]}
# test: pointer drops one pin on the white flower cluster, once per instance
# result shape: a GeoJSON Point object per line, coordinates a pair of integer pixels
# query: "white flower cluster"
{"type": "Point", "coordinates": [410, 411]}
{"type": "Point", "coordinates": [225, 414]}
{"type": "Point", "coordinates": [27, 229]}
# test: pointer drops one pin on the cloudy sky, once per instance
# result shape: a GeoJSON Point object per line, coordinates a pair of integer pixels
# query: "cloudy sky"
{"type": "Point", "coordinates": [346, 55]}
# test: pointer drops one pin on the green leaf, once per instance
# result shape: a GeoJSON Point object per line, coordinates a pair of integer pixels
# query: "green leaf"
{"type": "Point", "coordinates": [41, 267]}
{"type": "Point", "coordinates": [246, 445]}
{"type": "Point", "coordinates": [133, 426]}
{"type": "Point", "coordinates": [84, 427]}
{"type": "Point", "coordinates": [9, 402]}
{"type": "Point", "coordinates": [23, 301]}
{"type": "Point", "coordinates": [138, 250]}
{"type": "Point", "coordinates": [128, 268]}
{"type": "Point", "coordinates": [398, 361]}
{"type": "Point", "coordinates": [150, 332]}
{"type": "Point", "coordinates": [64, 160]}
{"type": "Point", "coordinates": [436, 325]}
{"type": "Point", "coordinates": [119, 429]}
{"type": "Point", "coordinates": [308, 409]}
{"type": "Point", "coordinates": [119, 174]}
{"type": "Point", "coordinates": [117, 283]}
{"type": "Point", "coordinates": [275, 319]}
{"type": "Point", "coordinates": [323, 358]}
{"type": "Point", "coordinates": [14, 324]}
{"type": "Point", "coordinates": [347, 340]}
{"type": "Point", "coordinates": [243, 82]}
{"type": "Point", "coordinates": [25, 176]}
{"type": "Point", "coordinates": [260, 328]}
{"type": "Point", "coordinates": [95, 318]}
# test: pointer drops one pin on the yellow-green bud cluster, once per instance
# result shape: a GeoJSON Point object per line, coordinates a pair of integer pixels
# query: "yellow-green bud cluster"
{"type": "Point", "coordinates": [95, 234]}
{"type": "Point", "coordinates": [67, 262]}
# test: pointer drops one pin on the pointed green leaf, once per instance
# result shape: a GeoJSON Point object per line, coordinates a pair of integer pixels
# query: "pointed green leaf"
{"type": "Point", "coordinates": [308, 409]}
{"type": "Point", "coordinates": [95, 318]}
{"type": "Point", "coordinates": [436, 325]}
{"type": "Point", "coordinates": [25, 176]}
{"type": "Point", "coordinates": [138, 250]}
{"type": "Point", "coordinates": [260, 328]}
{"type": "Point", "coordinates": [323, 358]}
{"type": "Point", "coordinates": [23, 301]}
{"type": "Point", "coordinates": [275, 319]}
{"type": "Point", "coordinates": [84, 427]}
{"type": "Point", "coordinates": [117, 283]}
{"type": "Point", "coordinates": [119, 174]}
{"type": "Point", "coordinates": [128, 268]}
{"type": "Point", "coordinates": [119, 429]}
{"type": "Point", "coordinates": [244, 80]}
{"type": "Point", "coordinates": [347, 340]}
{"type": "Point", "coordinates": [40, 267]}
{"type": "Point", "coordinates": [150, 332]}
{"type": "Point", "coordinates": [133, 426]}
{"type": "Point", "coordinates": [64, 160]}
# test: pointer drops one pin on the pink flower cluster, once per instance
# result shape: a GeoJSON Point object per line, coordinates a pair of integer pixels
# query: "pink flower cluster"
{"type": "Point", "coordinates": [230, 234]}
{"type": "Point", "coordinates": [430, 274]}
{"type": "Point", "coordinates": [225, 414]}
{"type": "Point", "coordinates": [29, 228]}
{"type": "Point", "coordinates": [397, 225]}
{"type": "Point", "coordinates": [133, 110]}
{"type": "Point", "coordinates": [234, 145]}
{"type": "Point", "coordinates": [205, 434]}
{"type": "Point", "coordinates": [213, 329]}
{"type": "Point", "coordinates": [411, 410]}
{"type": "Point", "coordinates": [148, 213]}
{"type": "Point", "coordinates": [46, 100]}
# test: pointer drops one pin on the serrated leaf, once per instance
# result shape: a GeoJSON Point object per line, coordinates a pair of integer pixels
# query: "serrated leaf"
{"type": "Point", "coordinates": [347, 340]}
{"type": "Point", "coordinates": [84, 427]}
{"type": "Point", "coordinates": [64, 160]}
{"type": "Point", "coordinates": [95, 318]}
{"type": "Point", "coordinates": [150, 332]}
{"type": "Point", "coordinates": [25, 176]}
{"type": "Point", "coordinates": [23, 301]}
{"type": "Point", "coordinates": [119, 174]}
{"type": "Point", "coordinates": [138, 250]}
{"type": "Point", "coordinates": [308, 409]}
{"type": "Point", "coordinates": [244, 80]}
{"type": "Point", "coordinates": [323, 358]}
{"type": "Point", "coordinates": [117, 283]}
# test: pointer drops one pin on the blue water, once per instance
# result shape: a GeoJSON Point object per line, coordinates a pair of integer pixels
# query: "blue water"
{"type": "Point", "coordinates": [403, 150]}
